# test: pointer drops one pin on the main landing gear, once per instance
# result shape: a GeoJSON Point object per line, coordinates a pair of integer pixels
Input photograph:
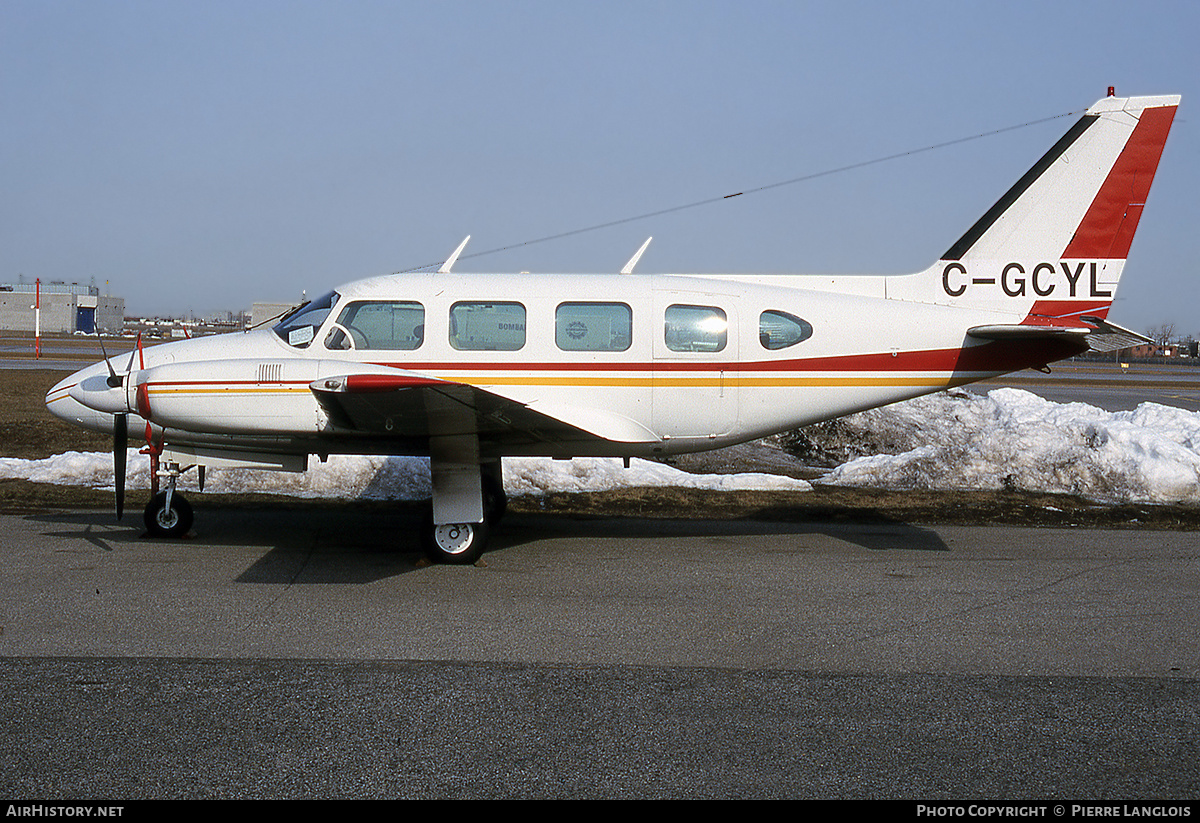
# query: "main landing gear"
{"type": "Point", "coordinates": [463, 492]}
{"type": "Point", "coordinates": [456, 543]}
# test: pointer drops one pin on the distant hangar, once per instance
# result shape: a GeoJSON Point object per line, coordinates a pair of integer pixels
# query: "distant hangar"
{"type": "Point", "coordinates": [66, 307]}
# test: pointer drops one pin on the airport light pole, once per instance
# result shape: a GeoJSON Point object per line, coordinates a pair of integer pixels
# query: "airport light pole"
{"type": "Point", "coordinates": [37, 319]}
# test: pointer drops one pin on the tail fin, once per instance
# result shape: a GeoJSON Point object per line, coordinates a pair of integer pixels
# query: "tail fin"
{"type": "Point", "coordinates": [1053, 247]}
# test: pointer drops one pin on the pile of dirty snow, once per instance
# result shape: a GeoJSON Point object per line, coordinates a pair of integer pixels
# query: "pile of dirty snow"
{"type": "Point", "coordinates": [1014, 439]}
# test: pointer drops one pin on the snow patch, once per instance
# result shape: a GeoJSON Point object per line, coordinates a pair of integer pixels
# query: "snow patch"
{"type": "Point", "coordinates": [952, 440]}
{"type": "Point", "coordinates": [1011, 438]}
{"type": "Point", "coordinates": [351, 477]}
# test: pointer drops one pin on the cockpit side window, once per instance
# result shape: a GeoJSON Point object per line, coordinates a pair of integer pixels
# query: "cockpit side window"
{"type": "Point", "coordinates": [381, 325]}
{"type": "Point", "coordinates": [300, 327]}
{"type": "Point", "coordinates": [778, 330]}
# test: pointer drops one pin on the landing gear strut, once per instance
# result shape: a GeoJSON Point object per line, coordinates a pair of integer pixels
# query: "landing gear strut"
{"type": "Point", "coordinates": [495, 501]}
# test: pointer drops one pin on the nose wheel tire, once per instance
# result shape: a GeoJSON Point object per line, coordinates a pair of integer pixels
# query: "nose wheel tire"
{"type": "Point", "coordinates": [163, 522]}
{"type": "Point", "coordinates": [455, 543]}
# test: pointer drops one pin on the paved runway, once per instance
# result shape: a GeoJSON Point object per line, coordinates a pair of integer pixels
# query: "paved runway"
{"type": "Point", "coordinates": [1110, 386]}
{"type": "Point", "coordinates": [61, 353]}
{"type": "Point", "coordinates": [306, 652]}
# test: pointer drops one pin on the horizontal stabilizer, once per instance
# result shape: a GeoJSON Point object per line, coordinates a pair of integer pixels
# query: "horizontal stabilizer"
{"type": "Point", "coordinates": [1014, 331]}
{"type": "Point", "coordinates": [1103, 336]}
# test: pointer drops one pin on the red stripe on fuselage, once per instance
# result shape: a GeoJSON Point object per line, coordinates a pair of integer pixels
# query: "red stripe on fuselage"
{"type": "Point", "coordinates": [996, 356]}
{"type": "Point", "coordinates": [1008, 355]}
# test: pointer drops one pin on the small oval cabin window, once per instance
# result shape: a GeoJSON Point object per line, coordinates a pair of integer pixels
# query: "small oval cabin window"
{"type": "Point", "coordinates": [778, 330]}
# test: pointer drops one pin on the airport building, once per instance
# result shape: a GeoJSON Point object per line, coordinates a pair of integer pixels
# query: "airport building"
{"type": "Point", "coordinates": [65, 307]}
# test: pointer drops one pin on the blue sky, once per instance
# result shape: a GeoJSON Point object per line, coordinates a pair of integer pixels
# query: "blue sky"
{"type": "Point", "coordinates": [202, 156]}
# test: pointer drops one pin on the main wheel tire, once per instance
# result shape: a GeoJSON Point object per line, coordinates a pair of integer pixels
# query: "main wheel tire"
{"type": "Point", "coordinates": [163, 522]}
{"type": "Point", "coordinates": [455, 543]}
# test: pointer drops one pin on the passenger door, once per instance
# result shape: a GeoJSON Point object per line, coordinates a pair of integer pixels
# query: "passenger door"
{"type": "Point", "coordinates": [695, 364]}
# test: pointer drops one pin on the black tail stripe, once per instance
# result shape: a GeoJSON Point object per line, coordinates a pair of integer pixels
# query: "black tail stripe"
{"type": "Point", "coordinates": [984, 223]}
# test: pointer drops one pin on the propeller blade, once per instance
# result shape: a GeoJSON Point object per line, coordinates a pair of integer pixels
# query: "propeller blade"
{"type": "Point", "coordinates": [114, 379]}
{"type": "Point", "coordinates": [132, 353]}
{"type": "Point", "coordinates": [120, 444]}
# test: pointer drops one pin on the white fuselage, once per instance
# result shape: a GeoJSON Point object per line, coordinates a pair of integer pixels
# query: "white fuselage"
{"type": "Point", "coordinates": [652, 364]}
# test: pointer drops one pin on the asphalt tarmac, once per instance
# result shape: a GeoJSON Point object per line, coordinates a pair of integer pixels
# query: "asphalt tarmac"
{"type": "Point", "coordinates": [308, 652]}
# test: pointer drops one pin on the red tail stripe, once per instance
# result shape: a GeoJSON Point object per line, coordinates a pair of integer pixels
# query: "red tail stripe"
{"type": "Point", "coordinates": [1108, 227]}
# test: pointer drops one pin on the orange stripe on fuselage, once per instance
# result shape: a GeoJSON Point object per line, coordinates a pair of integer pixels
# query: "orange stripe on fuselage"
{"type": "Point", "coordinates": [923, 368]}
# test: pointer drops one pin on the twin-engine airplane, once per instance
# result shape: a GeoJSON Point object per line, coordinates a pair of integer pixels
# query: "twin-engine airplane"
{"type": "Point", "coordinates": [469, 368]}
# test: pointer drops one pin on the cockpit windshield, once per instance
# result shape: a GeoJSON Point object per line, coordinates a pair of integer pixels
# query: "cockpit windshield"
{"type": "Point", "coordinates": [300, 327]}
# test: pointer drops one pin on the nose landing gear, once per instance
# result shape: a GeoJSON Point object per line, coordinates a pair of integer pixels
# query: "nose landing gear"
{"type": "Point", "coordinates": [168, 514]}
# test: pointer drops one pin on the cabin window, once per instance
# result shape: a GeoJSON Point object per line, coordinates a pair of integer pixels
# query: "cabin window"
{"type": "Point", "coordinates": [300, 326]}
{"type": "Point", "coordinates": [487, 326]}
{"type": "Point", "coordinates": [696, 328]}
{"type": "Point", "coordinates": [778, 330]}
{"type": "Point", "coordinates": [593, 326]}
{"type": "Point", "coordinates": [390, 326]}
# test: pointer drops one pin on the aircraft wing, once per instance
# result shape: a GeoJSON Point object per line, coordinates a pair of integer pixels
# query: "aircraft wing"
{"type": "Point", "coordinates": [407, 404]}
{"type": "Point", "coordinates": [1103, 336]}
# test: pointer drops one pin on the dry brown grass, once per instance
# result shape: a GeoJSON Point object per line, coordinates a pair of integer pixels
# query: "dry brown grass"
{"type": "Point", "coordinates": [27, 430]}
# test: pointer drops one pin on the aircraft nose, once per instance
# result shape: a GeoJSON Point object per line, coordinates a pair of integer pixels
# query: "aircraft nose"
{"type": "Point", "coordinates": [61, 402]}
{"type": "Point", "coordinates": [61, 392]}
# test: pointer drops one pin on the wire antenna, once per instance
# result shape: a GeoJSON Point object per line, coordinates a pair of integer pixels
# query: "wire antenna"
{"type": "Point", "coordinates": [710, 200]}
